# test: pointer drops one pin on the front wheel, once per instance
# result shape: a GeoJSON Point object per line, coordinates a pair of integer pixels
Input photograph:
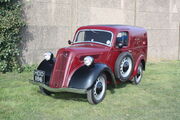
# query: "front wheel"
{"type": "Point", "coordinates": [138, 77]}
{"type": "Point", "coordinates": [97, 93]}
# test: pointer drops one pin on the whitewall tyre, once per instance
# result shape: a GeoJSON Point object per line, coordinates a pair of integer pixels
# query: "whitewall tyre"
{"type": "Point", "coordinates": [137, 79]}
{"type": "Point", "coordinates": [97, 93]}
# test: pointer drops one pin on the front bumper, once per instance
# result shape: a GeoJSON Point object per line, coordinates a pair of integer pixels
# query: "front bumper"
{"type": "Point", "coordinates": [73, 90]}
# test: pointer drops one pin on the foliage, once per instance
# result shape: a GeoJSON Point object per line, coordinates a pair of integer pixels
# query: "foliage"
{"type": "Point", "coordinates": [1, 1]}
{"type": "Point", "coordinates": [11, 22]}
{"type": "Point", "coordinates": [155, 98]}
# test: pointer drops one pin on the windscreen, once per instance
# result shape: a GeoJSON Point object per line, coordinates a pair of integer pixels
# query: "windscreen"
{"type": "Point", "coordinates": [94, 36]}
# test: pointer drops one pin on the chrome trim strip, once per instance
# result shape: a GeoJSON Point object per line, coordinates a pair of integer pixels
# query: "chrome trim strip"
{"type": "Point", "coordinates": [112, 35]}
{"type": "Point", "coordinates": [73, 90]}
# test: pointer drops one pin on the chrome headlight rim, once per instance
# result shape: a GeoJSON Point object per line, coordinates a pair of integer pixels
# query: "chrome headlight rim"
{"type": "Point", "coordinates": [88, 60]}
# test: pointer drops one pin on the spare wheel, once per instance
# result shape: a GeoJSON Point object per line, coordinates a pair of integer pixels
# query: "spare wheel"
{"type": "Point", "coordinates": [124, 66]}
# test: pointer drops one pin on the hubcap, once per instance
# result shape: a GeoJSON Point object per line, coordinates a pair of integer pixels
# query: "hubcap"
{"type": "Point", "coordinates": [125, 67]}
{"type": "Point", "coordinates": [99, 88]}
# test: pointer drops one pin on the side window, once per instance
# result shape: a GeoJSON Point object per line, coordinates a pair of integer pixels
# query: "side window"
{"type": "Point", "coordinates": [123, 36]}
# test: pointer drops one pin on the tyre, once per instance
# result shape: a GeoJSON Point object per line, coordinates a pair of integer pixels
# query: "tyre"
{"type": "Point", "coordinates": [97, 93]}
{"type": "Point", "coordinates": [124, 66]}
{"type": "Point", "coordinates": [44, 91]}
{"type": "Point", "coordinates": [138, 77]}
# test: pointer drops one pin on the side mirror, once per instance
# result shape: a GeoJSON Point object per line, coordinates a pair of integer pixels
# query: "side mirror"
{"type": "Point", "coordinates": [69, 42]}
{"type": "Point", "coordinates": [119, 42]}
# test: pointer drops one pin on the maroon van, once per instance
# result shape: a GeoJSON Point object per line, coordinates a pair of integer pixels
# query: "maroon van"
{"type": "Point", "coordinates": [98, 55]}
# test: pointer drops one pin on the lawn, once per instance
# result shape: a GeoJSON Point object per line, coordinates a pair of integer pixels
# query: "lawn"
{"type": "Point", "coordinates": [157, 97]}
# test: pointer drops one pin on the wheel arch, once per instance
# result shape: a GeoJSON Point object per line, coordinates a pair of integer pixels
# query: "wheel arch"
{"type": "Point", "coordinates": [85, 77]}
{"type": "Point", "coordinates": [141, 59]}
{"type": "Point", "coordinates": [110, 76]}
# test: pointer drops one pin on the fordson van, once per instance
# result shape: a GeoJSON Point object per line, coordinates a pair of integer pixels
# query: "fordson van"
{"type": "Point", "coordinates": [99, 55]}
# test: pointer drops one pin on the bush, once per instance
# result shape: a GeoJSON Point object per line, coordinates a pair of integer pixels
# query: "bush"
{"type": "Point", "coordinates": [11, 23]}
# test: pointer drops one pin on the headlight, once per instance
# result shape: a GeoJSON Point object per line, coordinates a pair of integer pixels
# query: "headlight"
{"type": "Point", "coordinates": [88, 60]}
{"type": "Point", "coordinates": [48, 56]}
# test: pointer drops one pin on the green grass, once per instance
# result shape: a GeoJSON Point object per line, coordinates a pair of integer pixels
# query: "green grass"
{"type": "Point", "coordinates": [156, 98]}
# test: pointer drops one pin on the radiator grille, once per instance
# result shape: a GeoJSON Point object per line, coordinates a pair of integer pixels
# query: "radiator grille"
{"type": "Point", "coordinates": [61, 63]}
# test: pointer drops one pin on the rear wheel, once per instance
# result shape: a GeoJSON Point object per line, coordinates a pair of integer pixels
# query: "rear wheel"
{"type": "Point", "coordinates": [44, 91]}
{"type": "Point", "coordinates": [138, 77]}
{"type": "Point", "coordinates": [97, 93]}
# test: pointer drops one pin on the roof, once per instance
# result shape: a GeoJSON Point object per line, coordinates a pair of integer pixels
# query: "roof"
{"type": "Point", "coordinates": [111, 26]}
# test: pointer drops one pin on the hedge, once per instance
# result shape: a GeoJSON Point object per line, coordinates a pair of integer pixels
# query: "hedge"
{"type": "Point", "coordinates": [11, 23]}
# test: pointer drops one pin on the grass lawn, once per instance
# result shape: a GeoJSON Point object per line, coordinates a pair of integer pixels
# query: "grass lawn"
{"type": "Point", "coordinates": [157, 97]}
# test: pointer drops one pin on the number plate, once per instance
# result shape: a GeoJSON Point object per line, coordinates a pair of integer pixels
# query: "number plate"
{"type": "Point", "coordinates": [39, 76]}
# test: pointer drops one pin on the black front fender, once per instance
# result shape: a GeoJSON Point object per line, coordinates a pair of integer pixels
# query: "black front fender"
{"type": "Point", "coordinates": [85, 76]}
{"type": "Point", "coordinates": [47, 67]}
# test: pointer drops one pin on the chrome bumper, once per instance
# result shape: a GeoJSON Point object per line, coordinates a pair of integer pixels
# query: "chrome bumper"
{"type": "Point", "coordinates": [73, 90]}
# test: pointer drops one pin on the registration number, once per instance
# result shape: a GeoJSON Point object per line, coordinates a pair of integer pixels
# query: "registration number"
{"type": "Point", "coordinates": [39, 76]}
